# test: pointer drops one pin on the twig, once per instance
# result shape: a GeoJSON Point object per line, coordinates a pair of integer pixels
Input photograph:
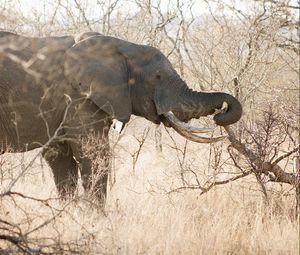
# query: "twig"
{"type": "Point", "coordinates": [264, 167]}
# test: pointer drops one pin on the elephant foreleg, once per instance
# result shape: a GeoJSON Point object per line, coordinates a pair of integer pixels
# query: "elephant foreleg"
{"type": "Point", "coordinates": [88, 131]}
{"type": "Point", "coordinates": [94, 167]}
{"type": "Point", "coordinates": [94, 177]}
{"type": "Point", "coordinates": [59, 156]}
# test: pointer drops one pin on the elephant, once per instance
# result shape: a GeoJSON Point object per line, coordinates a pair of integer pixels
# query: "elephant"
{"type": "Point", "coordinates": [56, 91]}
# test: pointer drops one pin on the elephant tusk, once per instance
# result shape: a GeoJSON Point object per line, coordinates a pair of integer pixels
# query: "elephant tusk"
{"type": "Point", "coordinates": [196, 138]}
{"type": "Point", "coordinates": [223, 109]}
{"type": "Point", "coordinates": [118, 126]}
{"type": "Point", "coordinates": [183, 126]}
{"type": "Point", "coordinates": [188, 131]}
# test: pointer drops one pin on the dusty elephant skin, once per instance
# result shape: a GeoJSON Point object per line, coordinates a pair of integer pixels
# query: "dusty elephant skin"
{"type": "Point", "coordinates": [66, 89]}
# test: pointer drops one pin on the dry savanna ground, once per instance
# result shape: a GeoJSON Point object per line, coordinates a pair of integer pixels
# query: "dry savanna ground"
{"type": "Point", "coordinates": [142, 216]}
{"type": "Point", "coordinates": [237, 196]}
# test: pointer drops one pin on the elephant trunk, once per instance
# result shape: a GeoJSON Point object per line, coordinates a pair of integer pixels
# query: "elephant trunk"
{"type": "Point", "coordinates": [184, 104]}
{"type": "Point", "coordinates": [226, 108]}
{"type": "Point", "coordinates": [210, 103]}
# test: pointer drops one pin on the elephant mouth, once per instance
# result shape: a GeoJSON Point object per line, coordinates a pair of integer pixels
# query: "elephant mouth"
{"type": "Point", "coordinates": [191, 133]}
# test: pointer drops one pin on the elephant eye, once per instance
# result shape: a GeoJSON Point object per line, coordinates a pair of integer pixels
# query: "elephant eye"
{"type": "Point", "coordinates": [158, 76]}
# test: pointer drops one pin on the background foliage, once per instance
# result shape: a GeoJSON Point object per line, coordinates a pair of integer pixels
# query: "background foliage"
{"type": "Point", "coordinates": [168, 195]}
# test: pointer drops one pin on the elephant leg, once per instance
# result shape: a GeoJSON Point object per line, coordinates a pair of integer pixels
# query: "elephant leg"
{"type": "Point", "coordinates": [94, 179]}
{"type": "Point", "coordinates": [59, 156]}
{"type": "Point", "coordinates": [93, 157]}
{"type": "Point", "coordinates": [87, 131]}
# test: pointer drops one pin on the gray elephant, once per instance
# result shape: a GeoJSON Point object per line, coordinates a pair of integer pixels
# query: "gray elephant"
{"type": "Point", "coordinates": [54, 92]}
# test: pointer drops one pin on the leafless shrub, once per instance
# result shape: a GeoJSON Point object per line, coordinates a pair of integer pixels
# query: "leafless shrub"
{"type": "Point", "coordinates": [97, 150]}
{"type": "Point", "coordinates": [243, 54]}
{"type": "Point", "coordinates": [252, 53]}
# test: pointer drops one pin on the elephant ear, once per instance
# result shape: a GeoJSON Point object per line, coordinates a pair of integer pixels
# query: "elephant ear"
{"type": "Point", "coordinates": [98, 70]}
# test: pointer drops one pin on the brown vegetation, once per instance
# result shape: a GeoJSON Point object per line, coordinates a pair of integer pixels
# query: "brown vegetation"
{"type": "Point", "coordinates": [168, 195]}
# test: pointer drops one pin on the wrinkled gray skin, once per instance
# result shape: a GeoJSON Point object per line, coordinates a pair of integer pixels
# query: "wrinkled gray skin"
{"type": "Point", "coordinates": [103, 78]}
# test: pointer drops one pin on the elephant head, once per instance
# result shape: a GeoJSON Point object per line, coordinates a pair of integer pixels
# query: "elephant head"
{"type": "Point", "coordinates": [124, 78]}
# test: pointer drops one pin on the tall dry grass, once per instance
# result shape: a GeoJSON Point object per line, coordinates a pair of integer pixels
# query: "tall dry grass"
{"type": "Point", "coordinates": [141, 217]}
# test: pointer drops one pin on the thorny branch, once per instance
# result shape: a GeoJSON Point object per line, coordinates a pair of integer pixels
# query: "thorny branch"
{"type": "Point", "coordinates": [211, 185]}
{"type": "Point", "coordinates": [24, 241]}
{"type": "Point", "coordinates": [265, 167]}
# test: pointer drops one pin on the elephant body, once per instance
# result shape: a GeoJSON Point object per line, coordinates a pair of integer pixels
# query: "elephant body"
{"type": "Point", "coordinates": [56, 91]}
{"type": "Point", "coordinates": [33, 106]}
{"type": "Point", "coordinates": [21, 125]}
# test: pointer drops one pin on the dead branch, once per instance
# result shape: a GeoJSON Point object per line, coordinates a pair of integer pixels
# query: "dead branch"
{"type": "Point", "coordinates": [265, 167]}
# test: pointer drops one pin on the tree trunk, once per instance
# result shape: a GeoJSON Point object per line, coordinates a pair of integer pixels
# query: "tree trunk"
{"type": "Point", "coordinates": [297, 171]}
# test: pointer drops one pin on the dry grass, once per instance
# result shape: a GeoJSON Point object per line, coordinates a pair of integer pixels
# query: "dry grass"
{"type": "Point", "coordinates": [141, 215]}
{"type": "Point", "coordinates": [141, 218]}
